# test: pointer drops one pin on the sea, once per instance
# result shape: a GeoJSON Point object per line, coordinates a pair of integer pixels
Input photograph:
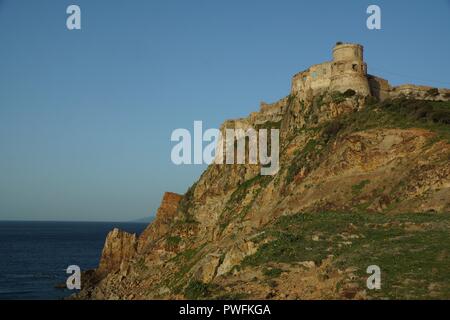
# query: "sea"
{"type": "Point", "coordinates": [34, 256]}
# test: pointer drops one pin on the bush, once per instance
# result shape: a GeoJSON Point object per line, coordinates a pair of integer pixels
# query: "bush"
{"type": "Point", "coordinates": [357, 188]}
{"type": "Point", "coordinates": [423, 111]}
{"type": "Point", "coordinates": [337, 97]}
{"type": "Point", "coordinates": [318, 101]}
{"type": "Point", "coordinates": [332, 129]}
{"type": "Point", "coordinates": [442, 116]}
{"type": "Point", "coordinates": [371, 100]}
{"type": "Point", "coordinates": [349, 93]}
{"type": "Point", "coordinates": [173, 241]}
{"type": "Point", "coordinates": [196, 289]}
{"type": "Point", "coordinates": [433, 92]}
{"type": "Point", "coordinates": [272, 272]}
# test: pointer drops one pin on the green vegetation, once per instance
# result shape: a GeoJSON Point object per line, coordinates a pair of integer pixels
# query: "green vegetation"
{"type": "Point", "coordinates": [173, 241]}
{"type": "Point", "coordinates": [140, 265]}
{"type": "Point", "coordinates": [433, 92]}
{"type": "Point", "coordinates": [400, 113]}
{"type": "Point", "coordinates": [185, 261]}
{"type": "Point", "coordinates": [331, 129]}
{"type": "Point", "coordinates": [318, 100]}
{"type": "Point", "coordinates": [185, 204]}
{"type": "Point", "coordinates": [310, 155]}
{"type": "Point", "coordinates": [231, 296]}
{"type": "Point", "coordinates": [337, 97]}
{"type": "Point", "coordinates": [196, 290]}
{"type": "Point", "coordinates": [349, 93]}
{"type": "Point", "coordinates": [291, 98]}
{"type": "Point", "coordinates": [272, 272]}
{"type": "Point", "coordinates": [411, 249]}
{"type": "Point", "coordinates": [357, 188]}
{"type": "Point", "coordinates": [305, 158]}
{"type": "Point", "coordinates": [234, 204]}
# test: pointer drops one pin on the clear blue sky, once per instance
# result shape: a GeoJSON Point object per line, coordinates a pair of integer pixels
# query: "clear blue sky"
{"type": "Point", "coordinates": [86, 116]}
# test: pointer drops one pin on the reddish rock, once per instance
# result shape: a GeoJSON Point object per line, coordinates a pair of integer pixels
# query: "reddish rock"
{"type": "Point", "coordinates": [164, 217]}
{"type": "Point", "coordinates": [119, 247]}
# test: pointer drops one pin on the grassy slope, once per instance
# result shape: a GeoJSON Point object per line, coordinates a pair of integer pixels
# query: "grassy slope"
{"type": "Point", "coordinates": [411, 249]}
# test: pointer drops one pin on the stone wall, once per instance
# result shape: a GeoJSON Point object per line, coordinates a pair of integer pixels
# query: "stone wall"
{"type": "Point", "coordinates": [349, 71]}
{"type": "Point", "coordinates": [346, 71]}
{"type": "Point", "coordinates": [420, 92]}
{"type": "Point", "coordinates": [316, 79]}
{"type": "Point", "coordinates": [379, 87]}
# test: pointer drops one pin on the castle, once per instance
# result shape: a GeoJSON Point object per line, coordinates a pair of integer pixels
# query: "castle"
{"type": "Point", "coordinates": [348, 70]}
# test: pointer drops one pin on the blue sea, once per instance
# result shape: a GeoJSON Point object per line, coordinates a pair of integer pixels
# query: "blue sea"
{"type": "Point", "coordinates": [34, 256]}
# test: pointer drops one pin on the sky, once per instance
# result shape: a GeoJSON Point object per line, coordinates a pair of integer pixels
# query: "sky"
{"type": "Point", "coordinates": [86, 115]}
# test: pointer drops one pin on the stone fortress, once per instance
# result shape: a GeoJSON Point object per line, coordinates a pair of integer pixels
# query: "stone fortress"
{"type": "Point", "coordinates": [348, 70]}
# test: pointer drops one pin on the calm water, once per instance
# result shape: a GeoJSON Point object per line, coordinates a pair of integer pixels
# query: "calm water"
{"type": "Point", "coordinates": [34, 255]}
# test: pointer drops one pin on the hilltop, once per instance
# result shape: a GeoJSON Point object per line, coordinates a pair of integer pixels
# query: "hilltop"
{"type": "Point", "coordinates": [364, 179]}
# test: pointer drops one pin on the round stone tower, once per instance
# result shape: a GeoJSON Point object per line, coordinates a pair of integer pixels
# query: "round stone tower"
{"type": "Point", "coordinates": [348, 69]}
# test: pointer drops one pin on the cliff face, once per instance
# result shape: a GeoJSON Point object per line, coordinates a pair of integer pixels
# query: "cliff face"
{"type": "Point", "coordinates": [119, 247]}
{"type": "Point", "coordinates": [345, 159]}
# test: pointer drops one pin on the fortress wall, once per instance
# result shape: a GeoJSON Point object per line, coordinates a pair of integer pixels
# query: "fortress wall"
{"type": "Point", "coordinates": [355, 82]}
{"type": "Point", "coordinates": [351, 74]}
{"type": "Point", "coordinates": [420, 92]}
{"type": "Point", "coordinates": [349, 71]}
{"type": "Point", "coordinates": [409, 90]}
{"type": "Point", "coordinates": [320, 75]}
{"type": "Point", "coordinates": [379, 87]}
{"type": "Point", "coordinates": [273, 108]}
{"type": "Point", "coordinates": [315, 79]}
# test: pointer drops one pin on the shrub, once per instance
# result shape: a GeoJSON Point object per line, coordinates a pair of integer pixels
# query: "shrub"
{"type": "Point", "coordinates": [371, 100]}
{"type": "Point", "coordinates": [272, 272]}
{"type": "Point", "coordinates": [337, 97]}
{"type": "Point", "coordinates": [173, 241]}
{"type": "Point", "coordinates": [318, 101]}
{"type": "Point", "coordinates": [349, 93]}
{"type": "Point", "coordinates": [196, 289]}
{"type": "Point", "coordinates": [433, 92]}
{"type": "Point", "coordinates": [332, 129]}
{"type": "Point", "coordinates": [423, 111]}
{"type": "Point", "coordinates": [357, 188]}
{"type": "Point", "coordinates": [442, 116]}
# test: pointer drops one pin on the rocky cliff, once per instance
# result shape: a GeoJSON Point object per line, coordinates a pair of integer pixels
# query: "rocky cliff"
{"type": "Point", "coordinates": [360, 182]}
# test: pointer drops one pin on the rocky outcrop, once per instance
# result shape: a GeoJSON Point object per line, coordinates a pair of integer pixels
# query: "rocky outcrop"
{"type": "Point", "coordinates": [339, 152]}
{"type": "Point", "coordinates": [235, 255]}
{"type": "Point", "coordinates": [165, 215]}
{"type": "Point", "coordinates": [120, 247]}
